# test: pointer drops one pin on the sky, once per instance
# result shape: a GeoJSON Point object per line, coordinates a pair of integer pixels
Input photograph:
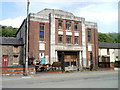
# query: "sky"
{"type": "Point", "coordinates": [103, 12]}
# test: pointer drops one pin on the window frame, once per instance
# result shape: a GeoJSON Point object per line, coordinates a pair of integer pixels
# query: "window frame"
{"type": "Point", "coordinates": [15, 61]}
{"type": "Point", "coordinates": [60, 24]}
{"type": "Point", "coordinates": [15, 49]}
{"type": "Point", "coordinates": [76, 37]}
{"type": "Point", "coordinates": [41, 34]}
{"type": "Point", "coordinates": [68, 37]}
{"type": "Point", "coordinates": [75, 24]}
{"type": "Point", "coordinates": [68, 25]}
{"type": "Point", "coordinates": [89, 35]}
{"type": "Point", "coordinates": [60, 36]}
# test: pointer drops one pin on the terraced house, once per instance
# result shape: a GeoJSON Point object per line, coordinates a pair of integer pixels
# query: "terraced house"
{"type": "Point", "coordinates": [54, 33]}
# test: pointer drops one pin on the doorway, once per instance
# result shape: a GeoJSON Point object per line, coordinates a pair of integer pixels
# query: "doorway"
{"type": "Point", "coordinates": [5, 61]}
{"type": "Point", "coordinates": [70, 58]}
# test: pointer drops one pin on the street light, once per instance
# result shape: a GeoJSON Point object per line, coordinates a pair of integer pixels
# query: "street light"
{"type": "Point", "coordinates": [26, 56]}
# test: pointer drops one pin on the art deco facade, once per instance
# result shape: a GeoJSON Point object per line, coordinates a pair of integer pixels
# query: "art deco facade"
{"type": "Point", "coordinates": [53, 32]}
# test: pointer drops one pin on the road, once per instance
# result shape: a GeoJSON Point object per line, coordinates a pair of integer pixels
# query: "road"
{"type": "Point", "coordinates": [89, 79]}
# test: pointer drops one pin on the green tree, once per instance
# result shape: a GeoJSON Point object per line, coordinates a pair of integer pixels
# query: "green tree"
{"type": "Point", "coordinates": [104, 38]}
{"type": "Point", "coordinates": [7, 31]}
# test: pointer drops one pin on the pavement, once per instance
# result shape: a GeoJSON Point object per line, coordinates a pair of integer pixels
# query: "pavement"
{"type": "Point", "coordinates": [88, 79]}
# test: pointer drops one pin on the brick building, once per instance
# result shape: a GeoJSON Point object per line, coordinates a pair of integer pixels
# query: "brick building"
{"type": "Point", "coordinates": [56, 32]}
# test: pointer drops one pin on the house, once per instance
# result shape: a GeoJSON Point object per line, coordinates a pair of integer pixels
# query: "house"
{"type": "Point", "coordinates": [108, 53]}
{"type": "Point", "coordinates": [54, 34]}
{"type": "Point", "coordinates": [12, 51]}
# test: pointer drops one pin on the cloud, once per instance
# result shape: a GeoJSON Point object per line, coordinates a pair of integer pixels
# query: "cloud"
{"type": "Point", "coordinates": [105, 14]}
{"type": "Point", "coordinates": [16, 22]}
{"type": "Point", "coordinates": [54, 1]}
{"type": "Point", "coordinates": [97, 12]}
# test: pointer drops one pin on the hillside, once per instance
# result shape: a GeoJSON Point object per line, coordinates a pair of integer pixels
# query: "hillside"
{"type": "Point", "coordinates": [109, 37]}
{"type": "Point", "coordinates": [9, 31]}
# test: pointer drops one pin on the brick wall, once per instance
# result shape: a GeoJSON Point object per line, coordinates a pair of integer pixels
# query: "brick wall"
{"type": "Point", "coordinates": [94, 43]}
{"type": "Point", "coordinates": [14, 70]}
{"type": "Point", "coordinates": [47, 39]}
{"type": "Point", "coordinates": [72, 30]}
{"type": "Point", "coordinates": [34, 40]}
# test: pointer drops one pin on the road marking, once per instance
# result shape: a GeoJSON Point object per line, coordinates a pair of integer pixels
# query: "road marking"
{"type": "Point", "coordinates": [26, 77]}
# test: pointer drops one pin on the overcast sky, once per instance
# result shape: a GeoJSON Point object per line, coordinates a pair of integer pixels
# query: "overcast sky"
{"type": "Point", "coordinates": [104, 12]}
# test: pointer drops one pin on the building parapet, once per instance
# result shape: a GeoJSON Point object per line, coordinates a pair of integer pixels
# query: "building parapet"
{"type": "Point", "coordinates": [39, 18]}
{"type": "Point", "coordinates": [90, 24]}
{"type": "Point", "coordinates": [69, 17]}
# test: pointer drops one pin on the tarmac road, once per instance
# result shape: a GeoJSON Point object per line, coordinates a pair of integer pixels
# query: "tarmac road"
{"type": "Point", "coordinates": [89, 79]}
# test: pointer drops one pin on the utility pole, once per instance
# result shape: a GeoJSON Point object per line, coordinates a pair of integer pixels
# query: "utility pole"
{"type": "Point", "coordinates": [27, 29]}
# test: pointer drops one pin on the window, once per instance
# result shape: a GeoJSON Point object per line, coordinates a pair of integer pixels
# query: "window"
{"type": "Point", "coordinates": [59, 24]}
{"type": "Point", "coordinates": [68, 39]}
{"type": "Point", "coordinates": [15, 59]}
{"type": "Point", "coordinates": [89, 35]}
{"type": "Point", "coordinates": [60, 38]}
{"type": "Point", "coordinates": [15, 49]}
{"type": "Point", "coordinates": [108, 52]}
{"type": "Point", "coordinates": [41, 32]}
{"type": "Point", "coordinates": [76, 26]}
{"type": "Point", "coordinates": [68, 25]}
{"type": "Point", "coordinates": [76, 39]}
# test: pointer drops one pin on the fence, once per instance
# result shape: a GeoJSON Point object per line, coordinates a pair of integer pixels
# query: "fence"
{"type": "Point", "coordinates": [13, 70]}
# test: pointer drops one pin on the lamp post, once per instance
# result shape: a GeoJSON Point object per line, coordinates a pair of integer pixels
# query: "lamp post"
{"type": "Point", "coordinates": [62, 61]}
{"type": "Point", "coordinates": [26, 56]}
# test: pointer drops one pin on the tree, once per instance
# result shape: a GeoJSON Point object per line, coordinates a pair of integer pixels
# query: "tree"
{"type": "Point", "coordinates": [104, 38]}
{"type": "Point", "coordinates": [8, 31]}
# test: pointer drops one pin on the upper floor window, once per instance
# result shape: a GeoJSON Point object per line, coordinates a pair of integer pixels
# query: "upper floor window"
{"type": "Point", "coordinates": [68, 39]}
{"type": "Point", "coordinates": [76, 39]}
{"type": "Point", "coordinates": [76, 26]}
{"type": "Point", "coordinates": [59, 24]}
{"type": "Point", "coordinates": [15, 49]}
{"type": "Point", "coordinates": [68, 25]}
{"type": "Point", "coordinates": [41, 27]}
{"type": "Point", "coordinates": [89, 35]}
{"type": "Point", "coordinates": [60, 38]}
{"type": "Point", "coordinates": [41, 32]}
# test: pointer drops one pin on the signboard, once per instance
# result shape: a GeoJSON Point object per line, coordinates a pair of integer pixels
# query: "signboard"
{"type": "Point", "coordinates": [43, 61]}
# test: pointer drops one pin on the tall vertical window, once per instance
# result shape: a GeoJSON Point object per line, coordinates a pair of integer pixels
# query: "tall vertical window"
{"type": "Point", "coordinates": [76, 39]}
{"type": "Point", "coordinates": [60, 38]}
{"type": "Point", "coordinates": [68, 39]}
{"type": "Point", "coordinates": [68, 25]}
{"type": "Point", "coordinates": [41, 32]}
{"type": "Point", "coordinates": [59, 24]}
{"type": "Point", "coordinates": [89, 35]}
{"type": "Point", "coordinates": [76, 26]}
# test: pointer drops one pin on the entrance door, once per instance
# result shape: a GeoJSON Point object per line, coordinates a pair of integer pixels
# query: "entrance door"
{"type": "Point", "coordinates": [70, 58]}
{"type": "Point", "coordinates": [5, 61]}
